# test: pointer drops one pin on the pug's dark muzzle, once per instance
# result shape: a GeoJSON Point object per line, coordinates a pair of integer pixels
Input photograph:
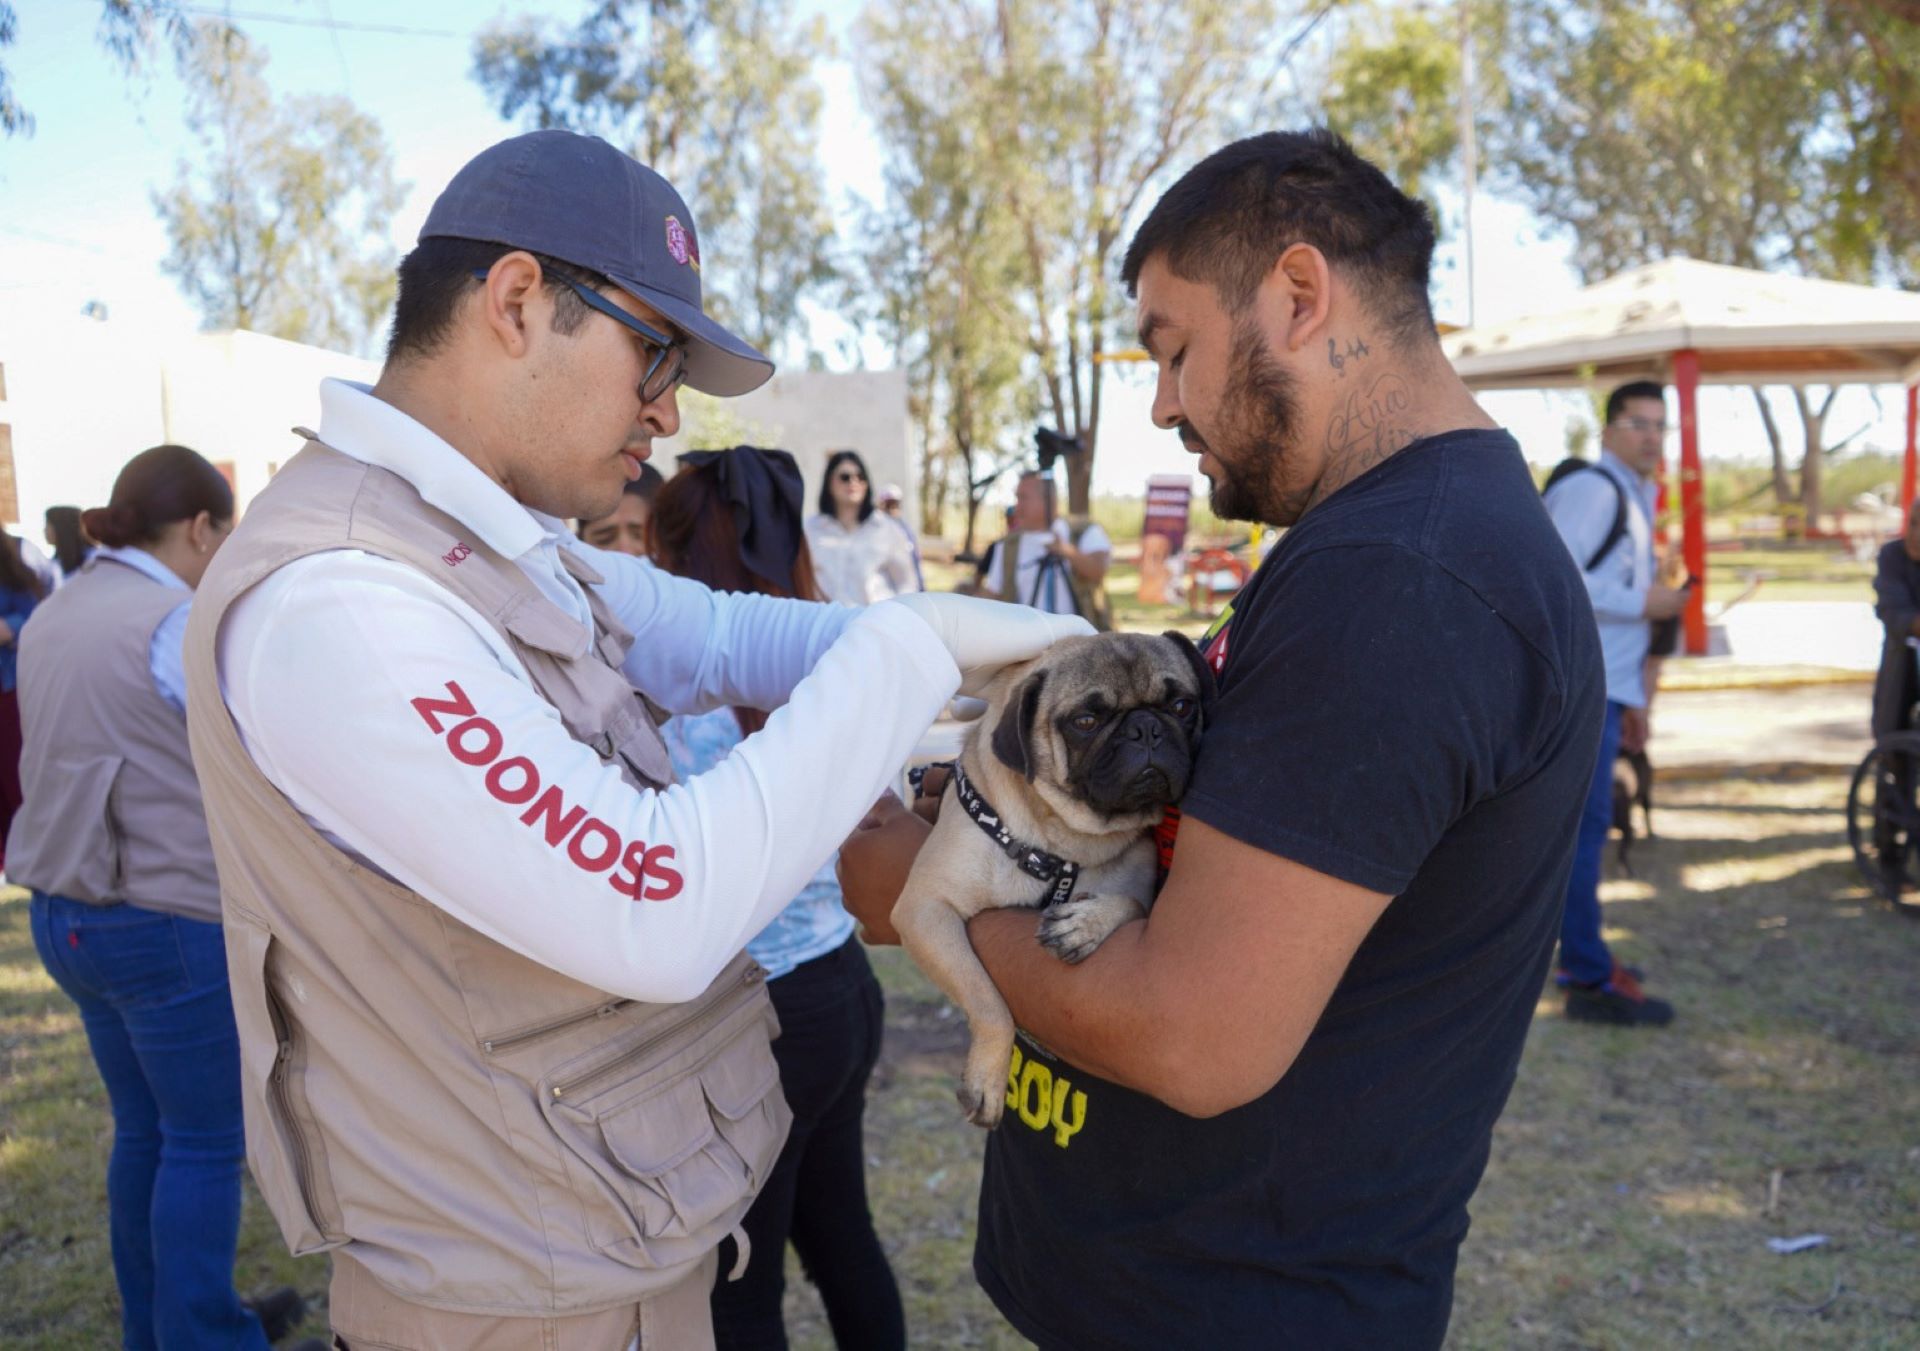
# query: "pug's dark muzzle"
{"type": "Point", "coordinates": [1141, 763]}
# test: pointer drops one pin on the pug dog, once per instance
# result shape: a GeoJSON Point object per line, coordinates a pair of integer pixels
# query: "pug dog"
{"type": "Point", "coordinates": [1078, 756]}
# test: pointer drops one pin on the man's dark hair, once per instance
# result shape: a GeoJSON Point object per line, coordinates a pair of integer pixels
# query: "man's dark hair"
{"type": "Point", "coordinates": [438, 274]}
{"type": "Point", "coordinates": [1633, 389]}
{"type": "Point", "coordinates": [1231, 216]}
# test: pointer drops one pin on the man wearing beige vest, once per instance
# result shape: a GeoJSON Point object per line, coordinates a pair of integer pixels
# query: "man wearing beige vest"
{"type": "Point", "coordinates": [502, 1056]}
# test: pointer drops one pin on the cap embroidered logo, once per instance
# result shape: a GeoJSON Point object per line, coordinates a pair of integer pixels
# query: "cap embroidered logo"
{"type": "Point", "coordinates": [458, 554]}
{"type": "Point", "coordinates": [680, 244]}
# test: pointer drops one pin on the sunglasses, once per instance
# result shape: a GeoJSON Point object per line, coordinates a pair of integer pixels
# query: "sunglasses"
{"type": "Point", "coordinates": [849, 477]}
{"type": "Point", "coordinates": [668, 364]}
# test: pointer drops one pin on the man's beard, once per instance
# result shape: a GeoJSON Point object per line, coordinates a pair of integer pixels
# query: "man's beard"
{"type": "Point", "coordinates": [1259, 418]}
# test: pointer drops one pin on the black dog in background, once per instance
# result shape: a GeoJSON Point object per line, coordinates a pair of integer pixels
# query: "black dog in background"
{"type": "Point", "coordinates": [1632, 786]}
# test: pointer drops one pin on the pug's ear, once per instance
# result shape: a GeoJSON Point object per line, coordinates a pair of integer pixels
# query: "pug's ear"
{"type": "Point", "coordinates": [1013, 735]}
{"type": "Point", "coordinates": [1202, 673]}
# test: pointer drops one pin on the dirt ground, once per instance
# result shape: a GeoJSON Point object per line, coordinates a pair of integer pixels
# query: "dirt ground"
{"type": "Point", "coordinates": [1635, 1179]}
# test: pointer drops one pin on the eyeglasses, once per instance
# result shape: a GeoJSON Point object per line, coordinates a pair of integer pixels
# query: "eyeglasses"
{"type": "Point", "coordinates": [668, 366]}
{"type": "Point", "coordinates": [1640, 424]}
{"type": "Point", "coordinates": [849, 476]}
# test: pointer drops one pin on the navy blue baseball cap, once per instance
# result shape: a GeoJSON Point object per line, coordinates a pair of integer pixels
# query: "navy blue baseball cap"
{"type": "Point", "coordinates": [578, 199]}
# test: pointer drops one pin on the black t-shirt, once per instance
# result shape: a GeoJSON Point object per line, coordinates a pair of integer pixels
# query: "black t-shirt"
{"type": "Point", "coordinates": [1411, 701]}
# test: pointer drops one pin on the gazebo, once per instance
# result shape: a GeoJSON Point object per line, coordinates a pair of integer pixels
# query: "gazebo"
{"type": "Point", "coordinates": [1686, 323]}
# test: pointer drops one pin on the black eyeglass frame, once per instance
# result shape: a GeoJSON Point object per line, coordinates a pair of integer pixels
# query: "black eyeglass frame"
{"type": "Point", "coordinates": [664, 345]}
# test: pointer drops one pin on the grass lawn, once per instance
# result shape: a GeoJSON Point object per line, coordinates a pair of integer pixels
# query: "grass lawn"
{"type": "Point", "coordinates": [1635, 1178]}
{"type": "Point", "coordinates": [1819, 571]}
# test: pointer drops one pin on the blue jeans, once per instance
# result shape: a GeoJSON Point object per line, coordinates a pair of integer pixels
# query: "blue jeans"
{"type": "Point", "coordinates": [152, 991]}
{"type": "Point", "coordinates": [1583, 952]}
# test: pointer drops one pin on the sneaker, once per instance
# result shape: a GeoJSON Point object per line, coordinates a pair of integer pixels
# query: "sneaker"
{"type": "Point", "coordinates": [279, 1311]}
{"type": "Point", "coordinates": [1563, 978]}
{"type": "Point", "coordinates": [1619, 1001]}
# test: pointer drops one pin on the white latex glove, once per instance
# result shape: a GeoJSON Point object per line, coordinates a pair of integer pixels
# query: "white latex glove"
{"type": "Point", "coordinates": [984, 635]}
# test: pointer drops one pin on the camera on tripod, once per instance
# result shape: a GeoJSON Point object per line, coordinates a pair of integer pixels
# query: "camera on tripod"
{"type": "Point", "coordinates": [1050, 445]}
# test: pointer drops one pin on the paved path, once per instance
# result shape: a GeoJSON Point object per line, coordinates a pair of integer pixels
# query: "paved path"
{"type": "Point", "coordinates": [1842, 634]}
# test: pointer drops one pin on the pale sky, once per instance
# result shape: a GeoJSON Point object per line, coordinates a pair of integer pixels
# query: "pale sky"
{"type": "Point", "coordinates": [77, 221]}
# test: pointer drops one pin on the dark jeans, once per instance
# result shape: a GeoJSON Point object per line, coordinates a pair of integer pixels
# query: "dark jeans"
{"type": "Point", "coordinates": [817, 1195]}
{"type": "Point", "coordinates": [152, 991]}
{"type": "Point", "coordinates": [1583, 952]}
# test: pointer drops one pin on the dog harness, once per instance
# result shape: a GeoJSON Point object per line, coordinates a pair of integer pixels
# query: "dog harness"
{"type": "Point", "coordinates": [1060, 874]}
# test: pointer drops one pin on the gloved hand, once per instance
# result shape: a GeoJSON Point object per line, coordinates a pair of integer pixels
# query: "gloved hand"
{"type": "Point", "coordinates": [984, 635]}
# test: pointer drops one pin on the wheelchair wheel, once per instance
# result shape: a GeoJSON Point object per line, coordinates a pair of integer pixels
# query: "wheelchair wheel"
{"type": "Point", "coordinates": [1883, 824]}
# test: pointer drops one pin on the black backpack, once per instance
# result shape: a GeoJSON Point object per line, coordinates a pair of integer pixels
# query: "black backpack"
{"type": "Point", "coordinates": [1566, 469]}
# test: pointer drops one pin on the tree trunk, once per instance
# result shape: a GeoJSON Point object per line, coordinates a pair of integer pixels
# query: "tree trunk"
{"type": "Point", "coordinates": [1782, 489]}
{"type": "Point", "coordinates": [1813, 422]}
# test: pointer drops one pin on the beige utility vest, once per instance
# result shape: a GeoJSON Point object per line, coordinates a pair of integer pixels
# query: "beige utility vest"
{"type": "Point", "coordinates": [110, 809]}
{"type": "Point", "coordinates": [484, 1134]}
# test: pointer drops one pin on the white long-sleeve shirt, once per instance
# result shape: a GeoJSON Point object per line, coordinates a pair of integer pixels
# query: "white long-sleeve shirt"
{"type": "Point", "coordinates": [869, 563]}
{"type": "Point", "coordinates": [325, 666]}
{"type": "Point", "coordinates": [1583, 506]}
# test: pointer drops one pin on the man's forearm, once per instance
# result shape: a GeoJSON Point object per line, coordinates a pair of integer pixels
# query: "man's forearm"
{"type": "Point", "coordinates": [1098, 1014]}
{"type": "Point", "coordinates": [1090, 567]}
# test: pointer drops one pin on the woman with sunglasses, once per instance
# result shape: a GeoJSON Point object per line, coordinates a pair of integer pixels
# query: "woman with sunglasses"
{"type": "Point", "coordinates": [859, 555]}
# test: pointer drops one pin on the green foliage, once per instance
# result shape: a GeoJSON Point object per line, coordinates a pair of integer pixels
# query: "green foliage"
{"type": "Point", "coordinates": [942, 265]}
{"type": "Point", "coordinates": [1735, 131]}
{"type": "Point", "coordinates": [276, 230]}
{"type": "Point", "coordinates": [1391, 90]}
{"type": "Point", "coordinates": [720, 98]}
{"type": "Point", "coordinates": [1071, 113]}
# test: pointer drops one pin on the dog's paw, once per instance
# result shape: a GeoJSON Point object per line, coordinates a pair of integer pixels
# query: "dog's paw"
{"type": "Point", "coordinates": [1073, 929]}
{"type": "Point", "coordinates": [982, 1109]}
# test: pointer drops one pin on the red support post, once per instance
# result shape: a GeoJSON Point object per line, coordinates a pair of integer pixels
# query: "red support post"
{"type": "Point", "coordinates": [1693, 513]}
{"type": "Point", "coordinates": [1913, 450]}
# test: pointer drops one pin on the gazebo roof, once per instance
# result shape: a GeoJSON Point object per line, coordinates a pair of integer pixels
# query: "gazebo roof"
{"type": "Point", "coordinates": [1748, 327]}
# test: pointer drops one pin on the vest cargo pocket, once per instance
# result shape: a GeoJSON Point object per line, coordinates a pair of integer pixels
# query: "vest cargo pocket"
{"type": "Point", "coordinates": [668, 1142]}
{"type": "Point", "coordinates": [283, 1156]}
{"type": "Point", "coordinates": [73, 843]}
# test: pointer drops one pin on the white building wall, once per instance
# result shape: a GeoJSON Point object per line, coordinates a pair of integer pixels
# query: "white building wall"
{"type": "Point", "coordinates": [235, 397]}
{"type": "Point", "coordinates": [85, 396]}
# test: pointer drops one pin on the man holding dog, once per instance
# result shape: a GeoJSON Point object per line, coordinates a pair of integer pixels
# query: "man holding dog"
{"type": "Point", "coordinates": [1255, 1118]}
{"type": "Point", "coordinates": [1605, 514]}
{"type": "Point", "coordinates": [502, 1054]}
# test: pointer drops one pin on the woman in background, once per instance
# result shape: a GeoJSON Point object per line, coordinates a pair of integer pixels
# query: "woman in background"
{"type": "Point", "coordinates": [731, 519]}
{"type": "Point", "coordinates": [112, 842]}
{"type": "Point", "coordinates": [859, 554]}
{"type": "Point", "coordinates": [68, 540]}
{"type": "Point", "coordinates": [21, 588]}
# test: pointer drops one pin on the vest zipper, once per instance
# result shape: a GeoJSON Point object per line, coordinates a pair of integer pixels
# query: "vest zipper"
{"type": "Point", "coordinates": [606, 1010]}
{"type": "Point", "coordinates": [714, 1008]}
{"type": "Point", "coordinates": [302, 1161]}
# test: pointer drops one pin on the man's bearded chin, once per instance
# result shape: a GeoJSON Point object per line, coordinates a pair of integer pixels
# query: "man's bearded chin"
{"type": "Point", "coordinates": [1259, 419]}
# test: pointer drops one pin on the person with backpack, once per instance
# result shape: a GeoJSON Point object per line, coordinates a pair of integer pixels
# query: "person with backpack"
{"type": "Point", "coordinates": [1604, 512]}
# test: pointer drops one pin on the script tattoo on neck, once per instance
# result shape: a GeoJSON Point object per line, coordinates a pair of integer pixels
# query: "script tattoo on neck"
{"type": "Point", "coordinates": [1366, 429]}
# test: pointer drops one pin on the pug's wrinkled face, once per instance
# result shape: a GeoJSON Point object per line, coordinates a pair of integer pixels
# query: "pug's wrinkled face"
{"type": "Point", "coordinates": [1105, 728]}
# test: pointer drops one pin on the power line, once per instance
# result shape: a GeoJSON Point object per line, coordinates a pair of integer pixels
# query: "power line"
{"type": "Point", "coordinates": [336, 25]}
